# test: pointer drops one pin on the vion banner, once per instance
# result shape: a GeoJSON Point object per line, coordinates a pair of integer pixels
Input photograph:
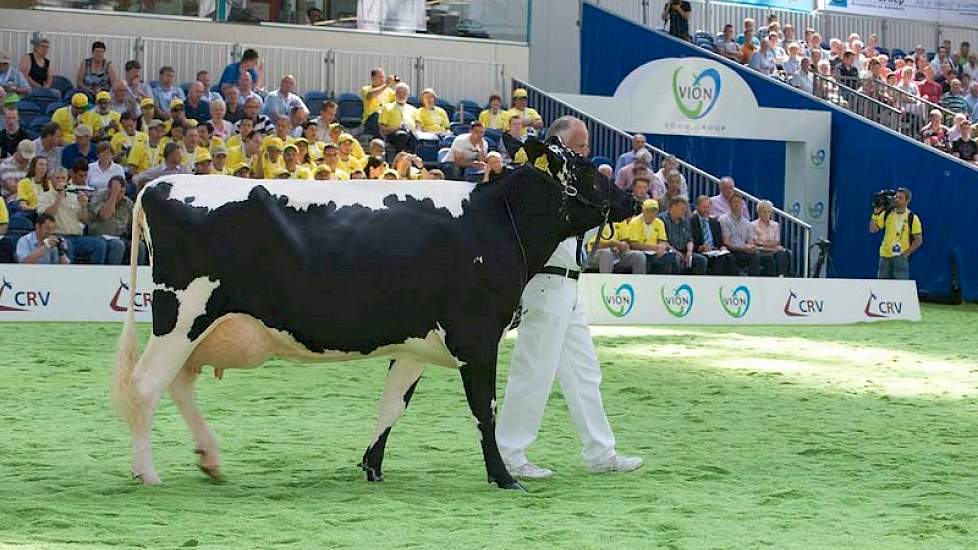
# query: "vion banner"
{"type": "Point", "coordinates": [656, 300]}
{"type": "Point", "coordinates": [955, 12]}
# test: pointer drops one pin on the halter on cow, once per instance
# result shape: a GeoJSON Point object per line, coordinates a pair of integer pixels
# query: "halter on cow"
{"type": "Point", "coordinates": [245, 270]}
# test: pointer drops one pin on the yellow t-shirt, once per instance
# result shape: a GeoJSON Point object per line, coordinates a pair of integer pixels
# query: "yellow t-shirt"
{"type": "Point", "coordinates": [233, 141]}
{"type": "Point", "coordinates": [98, 121]}
{"type": "Point", "coordinates": [639, 232]}
{"type": "Point", "coordinates": [374, 104]}
{"type": "Point", "coordinates": [351, 164]}
{"type": "Point", "coordinates": [394, 114]}
{"type": "Point", "coordinates": [895, 227]}
{"type": "Point", "coordinates": [62, 117]}
{"type": "Point", "coordinates": [494, 121]}
{"type": "Point", "coordinates": [4, 215]}
{"type": "Point", "coordinates": [122, 139]}
{"type": "Point", "coordinates": [28, 191]}
{"type": "Point", "coordinates": [340, 174]}
{"type": "Point", "coordinates": [617, 232]}
{"type": "Point", "coordinates": [236, 155]}
{"type": "Point", "coordinates": [269, 168]}
{"type": "Point", "coordinates": [432, 120]}
{"type": "Point", "coordinates": [143, 157]}
{"type": "Point", "coordinates": [530, 113]}
{"type": "Point", "coordinates": [301, 173]}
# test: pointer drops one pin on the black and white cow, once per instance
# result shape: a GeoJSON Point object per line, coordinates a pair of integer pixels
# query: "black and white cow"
{"type": "Point", "coordinates": [423, 272]}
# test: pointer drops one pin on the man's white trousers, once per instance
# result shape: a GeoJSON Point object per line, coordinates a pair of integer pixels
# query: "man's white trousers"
{"type": "Point", "coordinates": [554, 339]}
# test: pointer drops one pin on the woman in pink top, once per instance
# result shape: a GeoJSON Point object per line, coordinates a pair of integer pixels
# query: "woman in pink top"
{"type": "Point", "coordinates": [775, 259]}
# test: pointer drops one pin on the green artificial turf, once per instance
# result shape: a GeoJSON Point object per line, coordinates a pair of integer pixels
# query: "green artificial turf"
{"type": "Point", "coordinates": [761, 437]}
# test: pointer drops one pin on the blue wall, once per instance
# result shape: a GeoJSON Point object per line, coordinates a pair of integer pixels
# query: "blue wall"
{"type": "Point", "coordinates": [865, 158]}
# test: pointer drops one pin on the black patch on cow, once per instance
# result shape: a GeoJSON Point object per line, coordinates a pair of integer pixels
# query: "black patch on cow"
{"type": "Point", "coordinates": [165, 306]}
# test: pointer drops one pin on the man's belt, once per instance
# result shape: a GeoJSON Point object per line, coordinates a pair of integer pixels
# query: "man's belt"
{"type": "Point", "coordinates": [559, 271]}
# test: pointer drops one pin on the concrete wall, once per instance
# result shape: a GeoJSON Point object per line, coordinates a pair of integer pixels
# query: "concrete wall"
{"type": "Point", "coordinates": [555, 45]}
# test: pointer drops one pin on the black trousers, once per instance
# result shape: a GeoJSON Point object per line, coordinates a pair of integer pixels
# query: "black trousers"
{"type": "Point", "coordinates": [400, 141]}
{"type": "Point", "coordinates": [747, 263]}
{"type": "Point", "coordinates": [774, 264]}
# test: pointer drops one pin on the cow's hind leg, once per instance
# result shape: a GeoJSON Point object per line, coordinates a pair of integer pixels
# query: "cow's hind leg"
{"type": "Point", "coordinates": [479, 379]}
{"type": "Point", "coordinates": [402, 379]}
{"type": "Point", "coordinates": [182, 392]}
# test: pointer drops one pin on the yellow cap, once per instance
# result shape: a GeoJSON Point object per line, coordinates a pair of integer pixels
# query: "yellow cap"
{"type": "Point", "coordinates": [103, 96]}
{"type": "Point", "coordinates": [429, 91]}
{"type": "Point", "coordinates": [202, 155]}
{"type": "Point", "coordinates": [519, 92]}
{"type": "Point", "coordinates": [146, 102]}
{"type": "Point", "coordinates": [390, 172]}
{"type": "Point", "coordinates": [345, 137]}
{"type": "Point", "coordinates": [335, 125]}
{"type": "Point", "coordinates": [79, 100]}
{"type": "Point", "coordinates": [175, 102]}
{"type": "Point", "coordinates": [323, 168]}
{"type": "Point", "coordinates": [291, 146]}
{"type": "Point", "coordinates": [239, 166]}
{"type": "Point", "coordinates": [190, 124]}
{"type": "Point", "coordinates": [280, 172]}
{"type": "Point", "coordinates": [650, 203]}
{"type": "Point", "coordinates": [272, 142]}
{"type": "Point", "coordinates": [299, 140]}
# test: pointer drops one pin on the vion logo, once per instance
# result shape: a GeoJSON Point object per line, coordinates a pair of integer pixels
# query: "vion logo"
{"type": "Point", "coordinates": [678, 301]}
{"type": "Point", "coordinates": [882, 308]}
{"type": "Point", "coordinates": [21, 300]}
{"type": "Point", "coordinates": [737, 302]}
{"type": "Point", "coordinates": [696, 99]}
{"type": "Point", "coordinates": [620, 301]}
{"type": "Point", "coordinates": [802, 307]}
{"type": "Point", "coordinates": [120, 300]}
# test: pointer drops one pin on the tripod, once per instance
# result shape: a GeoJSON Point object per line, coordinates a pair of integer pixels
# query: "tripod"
{"type": "Point", "coordinates": [824, 258]}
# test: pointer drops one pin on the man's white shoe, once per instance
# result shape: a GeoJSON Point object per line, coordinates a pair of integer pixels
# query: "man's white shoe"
{"type": "Point", "coordinates": [617, 463]}
{"type": "Point", "coordinates": [532, 471]}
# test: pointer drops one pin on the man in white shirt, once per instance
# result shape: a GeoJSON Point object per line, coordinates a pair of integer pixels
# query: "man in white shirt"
{"type": "Point", "coordinates": [720, 204]}
{"type": "Point", "coordinates": [803, 79]}
{"type": "Point", "coordinates": [554, 340]}
{"type": "Point", "coordinates": [469, 152]}
{"type": "Point", "coordinates": [281, 101]}
{"type": "Point", "coordinates": [669, 165]}
{"type": "Point", "coordinates": [727, 46]}
{"type": "Point", "coordinates": [102, 170]}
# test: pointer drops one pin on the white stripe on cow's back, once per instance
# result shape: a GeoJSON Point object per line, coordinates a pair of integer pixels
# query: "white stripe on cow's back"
{"type": "Point", "coordinates": [215, 191]}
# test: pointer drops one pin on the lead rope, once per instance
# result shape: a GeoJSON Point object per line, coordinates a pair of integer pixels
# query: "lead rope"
{"type": "Point", "coordinates": [518, 314]}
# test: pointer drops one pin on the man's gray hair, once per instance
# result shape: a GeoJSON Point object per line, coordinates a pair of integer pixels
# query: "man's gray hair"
{"type": "Point", "coordinates": [220, 103]}
{"type": "Point", "coordinates": [765, 204]}
{"type": "Point", "coordinates": [644, 156]}
{"type": "Point", "coordinates": [59, 170]}
{"type": "Point", "coordinates": [562, 127]}
{"type": "Point", "coordinates": [402, 85]}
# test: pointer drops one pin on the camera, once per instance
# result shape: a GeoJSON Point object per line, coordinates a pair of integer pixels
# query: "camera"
{"type": "Point", "coordinates": [885, 199]}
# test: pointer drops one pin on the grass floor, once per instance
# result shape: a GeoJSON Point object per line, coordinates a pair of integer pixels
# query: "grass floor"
{"type": "Point", "coordinates": [762, 437]}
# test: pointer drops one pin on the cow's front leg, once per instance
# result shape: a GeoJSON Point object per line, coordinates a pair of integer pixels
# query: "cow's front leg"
{"type": "Point", "coordinates": [402, 378]}
{"type": "Point", "coordinates": [479, 379]}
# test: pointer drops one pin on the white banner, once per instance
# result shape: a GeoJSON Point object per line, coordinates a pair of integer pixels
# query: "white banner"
{"type": "Point", "coordinates": [101, 293]}
{"type": "Point", "coordinates": [666, 299]}
{"type": "Point", "coordinates": [956, 12]}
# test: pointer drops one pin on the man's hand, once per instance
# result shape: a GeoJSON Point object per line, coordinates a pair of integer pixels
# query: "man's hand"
{"type": "Point", "coordinates": [661, 249]}
{"type": "Point", "coordinates": [83, 199]}
{"type": "Point", "coordinates": [50, 242]}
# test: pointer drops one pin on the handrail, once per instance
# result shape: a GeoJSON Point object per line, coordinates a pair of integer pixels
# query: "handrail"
{"type": "Point", "coordinates": [521, 84]}
{"type": "Point", "coordinates": [921, 99]}
{"type": "Point", "coordinates": [851, 91]}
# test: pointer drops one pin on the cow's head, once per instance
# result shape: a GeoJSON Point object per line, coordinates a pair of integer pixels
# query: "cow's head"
{"type": "Point", "coordinates": [588, 197]}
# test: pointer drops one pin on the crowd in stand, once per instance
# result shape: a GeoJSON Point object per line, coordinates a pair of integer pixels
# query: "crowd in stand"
{"type": "Point", "coordinates": [75, 178]}
{"type": "Point", "coordinates": [947, 79]}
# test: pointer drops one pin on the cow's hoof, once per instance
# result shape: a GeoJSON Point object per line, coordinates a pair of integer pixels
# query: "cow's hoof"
{"type": "Point", "coordinates": [512, 486]}
{"type": "Point", "coordinates": [373, 475]}
{"type": "Point", "coordinates": [213, 472]}
{"type": "Point", "coordinates": [148, 479]}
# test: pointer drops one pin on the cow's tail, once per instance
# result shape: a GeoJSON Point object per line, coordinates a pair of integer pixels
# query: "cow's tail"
{"type": "Point", "coordinates": [123, 396]}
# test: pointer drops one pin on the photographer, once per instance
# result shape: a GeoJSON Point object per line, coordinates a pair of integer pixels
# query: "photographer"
{"type": "Point", "coordinates": [68, 205]}
{"type": "Point", "coordinates": [902, 232]}
{"type": "Point", "coordinates": [42, 246]}
{"type": "Point", "coordinates": [676, 13]}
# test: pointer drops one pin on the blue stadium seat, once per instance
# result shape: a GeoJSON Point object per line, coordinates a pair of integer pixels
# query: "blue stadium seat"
{"type": "Point", "coordinates": [704, 40]}
{"type": "Point", "coordinates": [349, 110]}
{"type": "Point", "coordinates": [61, 84]}
{"type": "Point", "coordinates": [428, 151]}
{"type": "Point", "coordinates": [882, 50]}
{"type": "Point", "coordinates": [18, 226]}
{"type": "Point", "coordinates": [459, 129]}
{"type": "Point", "coordinates": [44, 96]}
{"type": "Point", "coordinates": [897, 52]}
{"type": "Point", "coordinates": [314, 101]}
{"type": "Point", "coordinates": [493, 143]}
{"type": "Point", "coordinates": [930, 56]}
{"type": "Point", "coordinates": [38, 122]}
{"type": "Point", "coordinates": [185, 86]}
{"type": "Point", "coordinates": [494, 134]}
{"type": "Point", "coordinates": [824, 45]}
{"type": "Point", "coordinates": [470, 105]}
{"type": "Point", "coordinates": [447, 141]}
{"type": "Point", "coordinates": [445, 104]}
{"type": "Point", "coordinates": [52, 107]}
{"type": "Point", "coordinates": [413, 100]}
{"type": "Point", "coordinates": [29, 109]}
{"type": "Point", "coordinates": [598, 161]}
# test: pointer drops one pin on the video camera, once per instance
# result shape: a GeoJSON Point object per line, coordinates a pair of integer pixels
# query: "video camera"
{"type": "Point", "coordinates": [885, 199]}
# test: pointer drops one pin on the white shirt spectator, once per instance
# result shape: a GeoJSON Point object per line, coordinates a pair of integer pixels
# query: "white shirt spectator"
{"type": "Point", "coordinates": [803, 81]}
{"type": "Point", "coordinates": [659, 181]}
{"type": "Point", "coordinates": [463, 144]}
{"type": "Point", "coordinates": [53, 154]}
{"type": "Point", "coordinates": [164, 96]}
{"type": "Point", "coordinates": [99, 179]}
{"type": "Point", "coordinates": [282, 105]}
{"type": "Point", "coordinates": [242, 98]}
{"type": "Point", "coordinates": [727, 46]}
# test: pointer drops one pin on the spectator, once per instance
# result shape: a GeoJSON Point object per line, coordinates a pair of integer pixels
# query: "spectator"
{"type": "Point", "coordinates": [616, 254]}
{"type": "Point", "coordinates": [930, 89]}
{"type": "Point", "coordinates": [36, 65]}
{"type": "Point", "coordinates": [640, 188]}
{"type": "Point", "coordinates": [777, 53]}
{"type": "Point", "coordinates": [493, 117]}
{"type": "Point", "coordinates": [259, 122]}
{"type": "Point", "coordinates": [310, 149]}
{"type": "Point", "coordinates": [788, 36]}
{"type": "Point", "coordinates": [847, 73]}
{"type": "Point", "coordinates": [202, 162]}
{"type": "Point", "coordinates": [35, 182]}
{"type": "Point", "coordinates": [825, 86]}
{"type": "Point", "coordinates": [660, 180]}
{"type": "Point", "coordinates": [378, 148]}
{"type": "Point", "coordinates": [234, 107]}
{"type": "Point", "coordinates": [748, 48]}
{"type": "Point", "coordinates": [775, 259]}
{"type": "Point", "coordinates": [902, 236]}
{"type": "Point", "coordinates": [836, 54]}
{"type": "Point", "coordinates": [292, 165]}
{"type": "Point", "coordinates": [907, 99]}
{"type": "Point", "coordinates": [955, 131]}
{"type": "Point", "coordinates": [248, 152]}
{"type": "Point", "coordinates": [860, 59]}
{"type": "Point", "coordinates": [376, 96]}
{"type": "Point", "coordinates": [434, 174]}
{"type": "Point", "coordinates": [375, 168]}
{"type": "Point", "coordinates": [720, 204]}
{"type": "Point", "coordinates": [680, 237]}
{"type": "Point", "coordinates": [432, 121]}
{"type": "Point", "coordinates": [727, 46]}
{"type": "Point", "coordinates": [41, 246]}
{"type": "Point", "coordinates": [327, 116]}
{"type": "Point", "coordinates": [219, 160]}
{"type": "Point", "coordinates": [793, 62]}
{"type": "Point", "coordinates": [134, 80]}
{"type": "Point", "coordinates": [204, 77]}
{"type": "Point", "coordinates": [147, 154]}
{"type": "Point", "coordinates": [282, 101]}
{"type": "Point", "coordinates": [283, 129]}
{"type": "Point", "coordinates": [147, 113]}
{"type": "Point", "coordinates": [16, 165]}
{"type": "Point", "coordinates": [803, 79]}
{"type": "Point", "coordinates": [123, 142]}
{"type": "Point", "coordinates": [972, 100]}
{"type": "Point", "coordinates": [971, 67]}
{"type": "Point", "coordinates": [958, 58]}
{"type": "Point", "coordinates": [103, 121]}
{"type": "Point", "coordinates": [246, 90]}
{"type": "Point", "coordinates": [271, 161]}
{"type": "Point", "coordinates": [314, 15]}
{"type": "Point", "coordinates": [95, 73]}
{"type": "Point", "coordinates": [512, 142]}
{"type": "Point", "coordinates": [747, 37]}
{"type": "Point", "coordinates": [939, 60]}
{"type": "Point", "coordinates": [222, 129]}
{"type": "Point", "coordinates": [81, 148]}
{"type": "Point", "coordinates": [331, 158]}
{"type": "Point", "coordinates": [12, 133]}
{"type": "Point", "coordinates": [708, 239]}
{"type": "Point", "coordinates": [68, 117]}
{"type": "Point", "coordinates": [954, 100]}
{"type": "Point", "coordinates": [676, 13]}
{"type": "Point", "coordinates": [646, 233]}
{"type": "Point", "coordinates": [104, 169]}
{"type": "Point", "coordinates": [206, 137]}
{"type": "Point", "coordinates": [323, 173]}
{"type": "Point", "coordinates": [738, 236]}
{"type": "Point", "coordinates": [167, 90]}
{"type": "Point", "coordinates": [814, 44]}
{"type": "Point", "coordinates": [531, 118]}
{"type": "Point", "coordinates": [171, 165]}
{"type": "Point", "coordinates": [607, 171]}
{"type": "Point", "coordinates": [195, 107]}
{"type": "Point", "coordinates": [469, 153]}
{"type": "Point", "coordinates": [189, 139]}
{"type": "Point", "coordinates": [494, 167]}
{"type": "Point", "coordinates": [673, 192]}
{"type": "Point", "coordinates": [408, 166]}
{"type": "Point", "coordinates": [78, 175]}
{"type": "Point", "coordinates": [11, 79]}
{"type": "Point", "coordinates": [47, 145]}
{"type": "Point", "coordinates": [110, 214]}
{"type": "Point", "coordinates": [628, 157]}
{"type": "Point", "coordinates": [6, 244]}
{"type": "Point", "coordinates": [249, 64]}
{"type": "Point", "coordinates": [965, 147]}
{"type": "Point", "coordinates": [934, 133]}
{"type": "Point", "coordinates": [397, 121]}
{"type": "Point", "coordinates": [70, 211]}
{"type": "Point", "coordinates": [643, 159]}
{"type": "Point", "coordinates": [120, 101]}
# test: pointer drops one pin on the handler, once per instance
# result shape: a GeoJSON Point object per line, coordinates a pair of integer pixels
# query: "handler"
{"type": "Point", "coordinates": [554, 339]}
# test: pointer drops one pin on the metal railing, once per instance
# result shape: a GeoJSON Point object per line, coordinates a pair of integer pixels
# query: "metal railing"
{"type": "Point", "coordinates": [865, 102]}
{"type": "Point", "coordinates": [916, 109]}
{"type": "Point", "coordinates": [610, 142]}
